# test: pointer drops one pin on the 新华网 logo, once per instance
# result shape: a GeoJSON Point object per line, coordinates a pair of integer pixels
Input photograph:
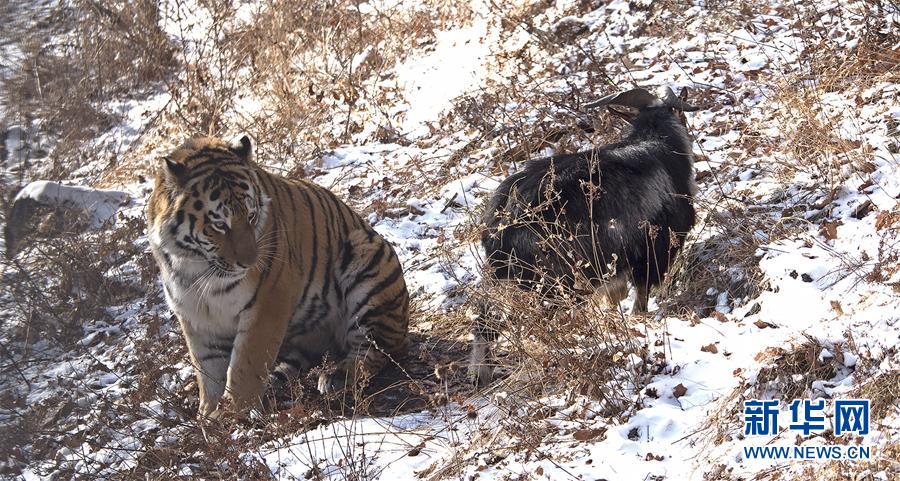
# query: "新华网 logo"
{"type": "Point", "coordinates": [850, 416]}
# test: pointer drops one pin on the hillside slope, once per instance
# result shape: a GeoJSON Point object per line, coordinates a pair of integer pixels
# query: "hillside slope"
{"type": "Point", "coordinates": [413, 112]}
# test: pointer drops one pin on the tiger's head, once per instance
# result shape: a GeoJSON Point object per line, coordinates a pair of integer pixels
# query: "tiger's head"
{"type": "Point", "coordinates": [207, 211]}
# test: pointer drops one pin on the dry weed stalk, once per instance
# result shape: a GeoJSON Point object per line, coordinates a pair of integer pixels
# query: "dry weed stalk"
{"type": "Point", "coordinates": [75, 59]}
{"type": "Point", "coordinates": [720, 253]}
{"type": "Point", "coordinates": [788, 373]}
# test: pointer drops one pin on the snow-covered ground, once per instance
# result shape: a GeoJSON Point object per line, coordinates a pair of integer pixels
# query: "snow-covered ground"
{"type": "Point", "coordinates": [823, 221]}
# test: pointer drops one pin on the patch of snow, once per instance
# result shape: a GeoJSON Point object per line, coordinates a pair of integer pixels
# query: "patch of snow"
{"type": "Point", "coordinates": [101, 205]}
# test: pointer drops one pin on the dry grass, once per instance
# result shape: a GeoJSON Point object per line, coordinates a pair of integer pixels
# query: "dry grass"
{"type": "Point", "coordinates": [54, 292]}
{"type": "Point", "coordinates": [883, 392]}
{"type": "Point", "coordinates": [580, 347]}
{"type": "Point", "coordinates": [318, 73]}
{"type": "Point", "coordinates": [720, 253]}
{"type": "Point", "coordinates": [787, 373]}
{"type": "Point", "coordinates": [791, 370]}
{"type": "Point", "coordinates": [814, 138]}
{"type": "Point", "coordinates": [885, 464]}
{"type": "Point", "coordinates": [298, 65]}
{"type": "Point", "coordinates": [66, 281]}
{"type": "Point", "coordinates": [74, 59]}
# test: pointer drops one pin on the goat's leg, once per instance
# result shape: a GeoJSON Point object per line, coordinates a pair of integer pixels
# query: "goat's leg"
{"type": "Point", "coordinates": [639, 277]}
{"type": "Point", "coordinates": [641, 298]}
{"type": "Point", "coordinates": [481, 362]}
{"type": "Point", "coordinates": [615, 290]}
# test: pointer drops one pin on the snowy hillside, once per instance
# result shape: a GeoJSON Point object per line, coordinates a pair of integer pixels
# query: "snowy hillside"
{"type": "Point", "coordinates": [413, 112]}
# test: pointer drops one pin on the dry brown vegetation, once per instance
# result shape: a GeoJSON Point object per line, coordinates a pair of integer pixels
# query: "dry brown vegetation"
{"type": "Point", "coordinates": [74, 59]}
{"type": "Point", "coordinates": [319, 84]}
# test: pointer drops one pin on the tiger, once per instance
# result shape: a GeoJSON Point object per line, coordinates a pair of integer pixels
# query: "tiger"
{"type": "Point", "coordinates": [269, 276]}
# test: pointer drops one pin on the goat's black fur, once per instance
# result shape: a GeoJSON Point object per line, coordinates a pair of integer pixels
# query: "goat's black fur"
{"type": "Point", "coordinates": [619, 211]}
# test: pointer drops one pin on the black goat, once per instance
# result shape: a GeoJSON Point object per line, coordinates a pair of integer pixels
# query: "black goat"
{"type": "Point", "coordinates": [604, 216]}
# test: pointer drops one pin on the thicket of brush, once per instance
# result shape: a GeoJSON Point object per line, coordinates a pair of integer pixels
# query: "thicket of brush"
{"type": "Point", "coordinates": [319, 70]}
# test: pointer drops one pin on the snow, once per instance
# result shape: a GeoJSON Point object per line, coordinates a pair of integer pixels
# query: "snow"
{"type": "Point", "coordinates": [426, 213]}
{"type": "Point", "coordinates": [330, 448]}
{"type": "Point", "coordinates": [14, 144]}
{"type": "Point", "coordinates": [100, 205]}
{"type": "Point", "coordinates": [433, 80]}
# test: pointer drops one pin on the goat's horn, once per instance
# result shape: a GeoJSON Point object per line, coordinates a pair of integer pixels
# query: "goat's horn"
{"type": "Point", "coordinates": [637, 98]}
{"type": "Point", "coordinates": [671, 99]}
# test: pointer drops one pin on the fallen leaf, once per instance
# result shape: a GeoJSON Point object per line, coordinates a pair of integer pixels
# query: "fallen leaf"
{"type": "Point", "coordinates": [837, 308]}
{"type": "Point", "coordinates": [828, 229]}
{"type": "Point", "coordinates": [679, 391]}
{"type": "Point", "coordinates": [539, 471]}
{"type": "Point", "coordinates": [862, 210]}
{"type": "Point", "coordinates": [753, 309]}
{"type": "Point", "coordinates": [719, 316]}
{"type": "Point", "coordinates": [588, 434]}
{"type": "Point", "coordinates": [636, 333]}
{"type": "Point", "coordinates": [710, 348]}
{"type": "Point", "coordinates": [886, 219]}
{"type": "Point", "coordinates": [763, 324]}
{"type": "Point", "coordinates": [769, 353]}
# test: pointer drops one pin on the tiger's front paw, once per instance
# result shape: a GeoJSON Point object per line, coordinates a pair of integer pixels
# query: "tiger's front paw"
{"type": "Point", "coordinates": [216, 414]}
{"type": "Point", "coordinates": [331, 382]}
{"type": "Point", "coordinates": [207, 409]}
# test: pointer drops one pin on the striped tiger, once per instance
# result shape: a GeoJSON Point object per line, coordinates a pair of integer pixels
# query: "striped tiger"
{"type": "Point", "coordinates": [268, 276]}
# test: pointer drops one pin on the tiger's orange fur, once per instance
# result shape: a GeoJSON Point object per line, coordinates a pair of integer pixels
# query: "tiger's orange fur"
{"type": "Point", "coordinates": [268, 275]}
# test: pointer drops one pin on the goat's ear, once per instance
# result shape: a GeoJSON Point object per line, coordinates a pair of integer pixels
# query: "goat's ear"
{"type": "Point", "coordinates": [244, 150]}
{"type": "Point", "coordinates": [675, 101]}
{"type": "Point", "coordinates": [638, 98]}
{"type": "Point", "coordinates": [174, 173]}
{"type": "Point", "coordinates": [622, 114]}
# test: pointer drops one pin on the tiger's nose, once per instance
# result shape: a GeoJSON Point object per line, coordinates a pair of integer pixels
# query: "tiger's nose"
{"type": "Point", "coordinates": [247, 257]}
{"type": "Point", "coordinates": [246, 253]}
{"type": "Point", "coordinates": [245, 249]}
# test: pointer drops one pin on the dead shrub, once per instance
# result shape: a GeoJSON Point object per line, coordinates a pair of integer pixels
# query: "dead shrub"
{"type": "Point", "coordinates": [787, 373]}
{"type": "Point", "coordinates": [720, 254]}
{"type": "Point", "coordinates": [317, 72]}
{"type": "Point", "coordinates": [75, 59]}
{"type": "Point", "coordinates": [887, 264]}
{"type": "Point", "coordinates": [525, 124]}
{"type": "Point", "coordinates": [563, 337]}
{"type": "Point", "coordinates": [811, 123]}
{"type": "Point", "coordinates": [790, 371]}
{"type": "Point", "coordinates": [814, 145]}
{"type": "Point", "coordinates": [559, 357]}
{"type": "Point", "coordinates": [59, 284]}
{"type": "Point", "coordinates": [883, 393]}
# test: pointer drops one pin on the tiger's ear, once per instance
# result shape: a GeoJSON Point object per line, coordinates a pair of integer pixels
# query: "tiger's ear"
{"type": "Point", "coordinates": [244, 150]}
{"type": "Point", "coordinates": [173, 172]}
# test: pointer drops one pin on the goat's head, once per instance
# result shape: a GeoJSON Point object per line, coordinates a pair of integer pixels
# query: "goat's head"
{"type": "Point", "coordinates": [641, 99]}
